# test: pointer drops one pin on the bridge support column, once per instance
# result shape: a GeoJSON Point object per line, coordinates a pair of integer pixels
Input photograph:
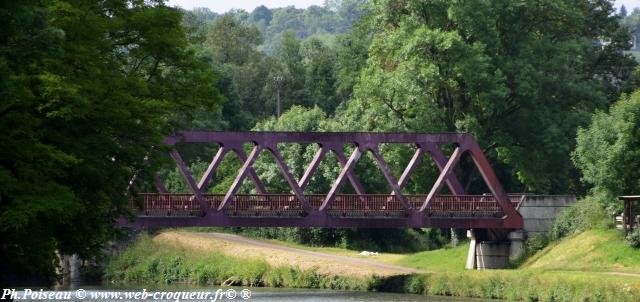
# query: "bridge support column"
{"type": "Point", "coordinates": [471, 255]}
{"type": "Point", "coordinates": [493, 249]}
{"type": "Point", "coordinates": [517, 244]}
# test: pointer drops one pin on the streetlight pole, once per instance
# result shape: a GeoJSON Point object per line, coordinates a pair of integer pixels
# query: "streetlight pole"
{"type": "Point", "coordinates": [278, 79]}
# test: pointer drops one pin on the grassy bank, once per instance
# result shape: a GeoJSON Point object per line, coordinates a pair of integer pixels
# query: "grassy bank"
{"type": "Point", "coordinates": [149, 261]}
{"type": "Point", "coordinates": [158, 261]}
{"type": "Point", "coordinates": [592, 250]}
{"type": "Point", "coordinates": [518, 285]}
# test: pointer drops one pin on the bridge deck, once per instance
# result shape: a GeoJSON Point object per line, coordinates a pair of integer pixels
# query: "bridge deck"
{"type": "Point", "coordinates": [384, 210]}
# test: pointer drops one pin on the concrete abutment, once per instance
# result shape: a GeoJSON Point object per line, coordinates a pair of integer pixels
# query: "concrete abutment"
{"type": "Point", "coordinates": [493, 249]}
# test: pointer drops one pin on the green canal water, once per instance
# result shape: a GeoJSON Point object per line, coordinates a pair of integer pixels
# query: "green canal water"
{"type": "Point", "coordinates": [212, 294]}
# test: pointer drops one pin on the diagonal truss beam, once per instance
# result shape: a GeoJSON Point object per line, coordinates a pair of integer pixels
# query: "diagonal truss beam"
{"type": "Point", "coordinates": [211, 170]}
{"type": "Point", "coordinates": [313, 166]}
{"type": "Point", "coordinates": [448, 168]}
{"type": "Point", "coordinates": [353, 179]}
{"type": "Point", "coordinates": [346, 170]}
{"type": "Point", "coordinates": [252, 172]}
{"type": "Point", "coordinates": [286, 172]}
{"type": "Point", "coordinates": [413, 164]}
{"type": "Point", "coordinates": [492, 182]}
{"type": "Point", "coordinates": [191, 183]}
{"type": "Point", "coordinates": [389, 176]}
{"type": "Point", "coordinates": [237, 182]}
{"type": "Point", "coordinates": [438, 157]}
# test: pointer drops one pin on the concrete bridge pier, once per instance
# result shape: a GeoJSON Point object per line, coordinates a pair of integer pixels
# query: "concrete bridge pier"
{"type": "Point", "coordinates": [492, 249]}
{"type": "Point", "coordinates": [69, 269]}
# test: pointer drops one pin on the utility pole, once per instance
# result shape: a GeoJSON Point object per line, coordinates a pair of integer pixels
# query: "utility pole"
{"type": "Point", "coordinates": [278, 79]}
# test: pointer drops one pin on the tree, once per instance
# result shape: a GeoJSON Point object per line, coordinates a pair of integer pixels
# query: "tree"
{"type": "Point", "coordinates": [608, 150]}
{"type": "Point", "coordinates": [232, 42]}
{"type": "Point", "coordinates": [261, 16]}
{"type": "Point", "coordinates": [623, 11]}
{"type": "Point", "coordinates": [320, 74]}
{"type": "Point", "coordinates": [519, 76]}
{"type": "Point", "coordinates": [244, 71]}
{"type": "Point", "coordinates": [88, 89]}
{"type": "Point", "coordinates": [289, 55]}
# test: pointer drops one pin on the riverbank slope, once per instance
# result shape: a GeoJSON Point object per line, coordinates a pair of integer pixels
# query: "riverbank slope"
{"type": "Point", "coordinates": [177, 256]}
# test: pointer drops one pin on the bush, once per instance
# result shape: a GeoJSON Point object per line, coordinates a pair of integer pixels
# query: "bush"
{"type": "Point", "coordinates": [533, 245]}
{"type": "Point", "coordinates": [633, 238]}
{"type": "Point", "coordinates": [586, 214]}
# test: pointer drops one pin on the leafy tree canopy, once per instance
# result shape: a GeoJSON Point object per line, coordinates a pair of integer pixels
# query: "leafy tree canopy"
{"type": "Point", "coordinates": [520, 76]}
{"type": "Point", "coordinates": [608, 150]}
{"type": "Point", "coordinates": [87, 90]}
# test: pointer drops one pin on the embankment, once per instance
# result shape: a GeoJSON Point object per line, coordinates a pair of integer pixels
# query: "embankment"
{"type": "Point", "coordinates": [204, 259]}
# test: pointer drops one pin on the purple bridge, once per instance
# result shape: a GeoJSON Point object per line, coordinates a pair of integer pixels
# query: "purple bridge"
{"type": "Point", "coordinates": [494, 210]}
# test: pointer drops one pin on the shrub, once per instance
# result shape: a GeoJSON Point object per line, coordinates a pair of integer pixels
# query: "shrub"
{"type": "Point", "coordinates": [586, 214]}
{"type": "Point", "coordinates": [633, 238]}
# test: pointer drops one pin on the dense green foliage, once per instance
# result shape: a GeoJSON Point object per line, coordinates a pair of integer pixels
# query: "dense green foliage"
{"type": "Point", "coordinates": [632, 22]}
{"type": "Point", "coordinates": [87, 89]}
{"type": "Point", "coordinates": [334, 17]}
{"type": "Point", "coordinates": [514, 74]}
{"type": "Point", "coordinates": [608, 151]}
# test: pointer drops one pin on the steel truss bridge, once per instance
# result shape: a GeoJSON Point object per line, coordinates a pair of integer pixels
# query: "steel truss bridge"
{"type": "Point", "coordinates": [494, 210]}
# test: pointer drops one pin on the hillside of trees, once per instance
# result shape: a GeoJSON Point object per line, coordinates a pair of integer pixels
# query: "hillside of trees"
{"type": "Point", "coordinates": [88, 90]}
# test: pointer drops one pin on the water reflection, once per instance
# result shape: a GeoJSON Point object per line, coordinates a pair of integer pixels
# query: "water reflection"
{"type": "Point", "coordinates": [83, 293]}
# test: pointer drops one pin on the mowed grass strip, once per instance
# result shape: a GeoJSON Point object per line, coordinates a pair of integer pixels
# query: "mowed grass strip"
{"type": "Point", "coordinates": [150, 261]}
{"type": "Point", "coordinates": [339, 266]}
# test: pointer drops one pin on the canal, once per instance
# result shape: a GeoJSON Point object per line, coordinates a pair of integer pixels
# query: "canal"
{"type": "Point", "coordinates": [177, 293]}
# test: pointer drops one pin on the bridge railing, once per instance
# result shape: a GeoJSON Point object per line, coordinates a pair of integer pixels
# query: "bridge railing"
{"type": "Point", "coordinates": [344, 205]}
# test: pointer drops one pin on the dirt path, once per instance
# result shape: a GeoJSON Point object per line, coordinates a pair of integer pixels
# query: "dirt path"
{"type": "Point", "coordinates": [278, 255]}
{"type": "Point", "coordinates": [622, 274]}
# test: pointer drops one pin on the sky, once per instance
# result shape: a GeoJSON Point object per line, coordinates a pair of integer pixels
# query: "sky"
{"type": "Point", "coordinates": [222, 6]}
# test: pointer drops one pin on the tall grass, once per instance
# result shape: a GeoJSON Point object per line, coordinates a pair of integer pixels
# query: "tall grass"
{"type": "Point", "coordinates": [516, 286]}
{"type": "Point", "coordinates": [147, 261]}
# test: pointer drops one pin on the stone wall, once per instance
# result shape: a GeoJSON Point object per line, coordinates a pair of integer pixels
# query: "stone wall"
{"type": "Point", "coordinates": [539, 211]}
